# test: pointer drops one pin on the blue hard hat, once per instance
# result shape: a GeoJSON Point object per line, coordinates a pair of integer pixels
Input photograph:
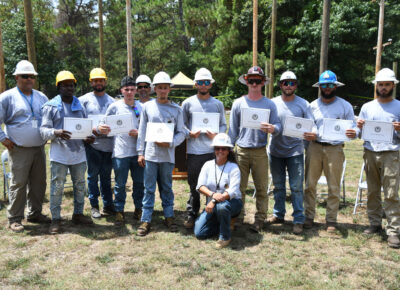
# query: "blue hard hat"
{"type": "Point", "coordinates": [328, 77]}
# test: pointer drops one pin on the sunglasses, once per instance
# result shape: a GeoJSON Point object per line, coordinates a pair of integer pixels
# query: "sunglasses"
{"type": "Point", "coordinates": [206, 83]}
{"type": "Point", "coordinates": [25, 77]}
{"type": "Point", "coordinates": [324, 86]}
{"type": "Point", "coordinates": [221, 148]}
{"type": "Point", "coordinates": [254, 81]}
{"type": "Point", "coordinates": [137, 113]}
{"type": "Point", "coordinates": [143, 87]}
{"type": "Point", "coordinates": [289, 83]}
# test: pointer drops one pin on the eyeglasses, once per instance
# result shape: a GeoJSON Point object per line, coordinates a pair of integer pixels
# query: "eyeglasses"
{"type": "Point", "coordinates": [324, 86]}
{"type": "Point", "coordinates": [289, 83]}
{"type": "Point", "coordinates": [25, 77]}
{"type": "Point", "coordinates": [254, 81]}
{"type": "Point", "coordinates": [221, 148]}
{"type": "Point", "coordinates": [206, 83]}
{"type": "Point", "coordinates": [143, 87]}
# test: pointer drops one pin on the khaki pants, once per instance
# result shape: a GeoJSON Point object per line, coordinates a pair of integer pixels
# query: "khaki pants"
{"type": "Point", "coordinates": [382, 170]}
{"type": "Point", "coordinates": [28, 181]}
{"type": "Point", "coordinates": [255, 160]}
{"type": "Point", "coordinates": [329, 159]}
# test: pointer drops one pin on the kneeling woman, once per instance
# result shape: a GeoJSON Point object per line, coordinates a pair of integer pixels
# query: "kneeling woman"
{"type": "Point", "coordinates": [219, 181]}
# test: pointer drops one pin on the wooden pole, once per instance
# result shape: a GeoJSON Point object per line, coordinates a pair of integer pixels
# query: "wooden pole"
{"type": "Point", "coordinates": [101, 34]}
{"type": "Point", "coordinates": [129, 37]}
{"type": "Point", "coordinates": [255, 31]}
{"type": "Point", "coordinates": [323, 59]}
{"type": "Point", "coordinates": [379, 46]}
{"type": "Point", "coordinates": [272, 51]}
{"type": "Point", "coordinates": [2, 71]}
{"type": "Point", "coordinates": [30, 37]}
{"type": "Point", "coordinates": [267, 86]}
{"type": "Point", "coordinates": [395, 72]}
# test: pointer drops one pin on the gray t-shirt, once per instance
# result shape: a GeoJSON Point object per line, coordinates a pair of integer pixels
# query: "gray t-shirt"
{"type": "Point", "coordinates": [202, 144]}
{"type": "Point", "coordinates": [251, 138]}
{"type": "Point", "coordinates": [284, 146]}
{"type": "Point", "coordinates": [387, 112]}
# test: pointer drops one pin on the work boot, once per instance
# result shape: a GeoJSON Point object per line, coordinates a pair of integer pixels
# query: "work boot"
{"type": "Point", "coordinates": [143, 229]}
{"type": "Point", "coordinates": [331, 227]}
{"type": "Point", "coordinates": [137, 214]}
{"type": "Point", "coordinates": [233, 224]}
{"type": "Point", "coordinates": [171, 225]}
{"type": "Point", "coordinates": [119, 219]}
{"type": "Point", "coordinates": [55, 227]}
{"type": "Point", "coordinates": [39, 219]}
{"type": "Point", "coordinates": [189, 222]}
{"type": "Point", "coordinates": [80, 219]}
{"type": "Point", "coordinates": [297, 229]}
{"type": "Point", "coordinates": [16, 226]}
{"type": "Point", "coordinates": [393, 241]}
{"type": "Point", "coordinates": [222, 243]}
{"type": "Point", "coordinates": [257, 226]}
{"type": "Point", "coordinates": [95, 213]}
{"type": "Point", "coordinates": [373, 230]}
{"type": "Point", "coordinates": [308, 224]}
{"type": "Point", "coordinates": [109, 210]}
{"type": "Point", "coordinates": [276, 220]}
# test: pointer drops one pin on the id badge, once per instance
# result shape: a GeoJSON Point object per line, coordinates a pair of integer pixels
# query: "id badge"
{"type": "Point", "coordinates": [34, 123]}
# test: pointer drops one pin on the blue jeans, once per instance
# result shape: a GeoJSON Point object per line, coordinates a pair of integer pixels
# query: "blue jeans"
{"type": "Point", "coordinates": [58, 176]}
{"type": "Point", "coordinates": [164, 172]}
{"type": "Point", "coordinates": [219, 221]}
{"type": "Point", "coordinates": [99, 164]}
{"type": "Point", "coordinates": [295, 168]}
{"type": "Point", "coordinates": [121, 171]}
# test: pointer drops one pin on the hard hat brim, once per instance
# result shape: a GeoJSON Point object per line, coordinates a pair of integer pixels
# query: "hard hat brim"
{"type": "Point", "coordinates": [376, 81]}
{"type": "Point", "coordinates": [25, 73]}
{"type": "Point", "coordinates": [243, 81]}
{"type": "Point", "coordinates": [338, 84]}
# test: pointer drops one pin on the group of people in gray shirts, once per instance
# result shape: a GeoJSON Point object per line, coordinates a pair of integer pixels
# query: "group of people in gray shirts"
{"type": "Point", "coordinates": [218, 163]}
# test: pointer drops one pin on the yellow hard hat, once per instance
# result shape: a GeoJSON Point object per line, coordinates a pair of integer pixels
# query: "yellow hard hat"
{"type": "Point", "coordinates": [97, 73]}
{"type": "Point", "coordinates": [64, 75]}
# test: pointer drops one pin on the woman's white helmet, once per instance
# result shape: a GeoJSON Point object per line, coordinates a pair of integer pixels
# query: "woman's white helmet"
{"type": "Point", "coordinates": [162, 78]}
{"type": "Point", "coordinates": [222, 140]}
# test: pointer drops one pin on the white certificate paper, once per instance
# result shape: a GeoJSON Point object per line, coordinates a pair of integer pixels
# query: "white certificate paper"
{"type": "Point", "coordinates": [79, 127]}
{"type": "Point", "coordinates": [96, 119]}
{"type": "Point", "coordinates": [119, 124]}
{"type": "Point", "coordinates": [160, 132]}
{"type": "Point", "coordinates": [205, 122]}
{"type": "Point", "coordinates": [378, 131]}
{"type": "Point", "coordinates": [335, 129]}
{"type": "Point", "coordinates": [252, 117]}
{"type": "Point", "coordinates": [296, 127]}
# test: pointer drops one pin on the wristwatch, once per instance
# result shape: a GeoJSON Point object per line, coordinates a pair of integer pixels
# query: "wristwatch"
{"type": "Point", "coordinates": [214, 201]}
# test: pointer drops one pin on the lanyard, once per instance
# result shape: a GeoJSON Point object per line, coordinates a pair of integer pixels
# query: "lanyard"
{"type": "Point", "coordinates": [30, 103]}
{"type": "Point", "coordinates": [223, 168]}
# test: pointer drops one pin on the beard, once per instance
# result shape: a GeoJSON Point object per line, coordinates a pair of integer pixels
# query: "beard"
{"type": "Point", "coordinates": [384, 95]}
{"type": "Point", "coordinates": [328, 96]}
{"type": "Point", "coordinates": [99, 88]}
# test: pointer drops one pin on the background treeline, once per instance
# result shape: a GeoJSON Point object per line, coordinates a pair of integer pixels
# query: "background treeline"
{"type": "Point", "coordinates": [184, 35]}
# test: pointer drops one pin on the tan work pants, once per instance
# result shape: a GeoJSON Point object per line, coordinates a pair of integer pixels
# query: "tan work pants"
{"type": "Point", "coordinates": [382, 170]}
{"type": "Point", "coordinates": [329, 159]}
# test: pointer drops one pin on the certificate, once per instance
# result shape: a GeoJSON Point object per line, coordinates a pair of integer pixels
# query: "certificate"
{"type": "Point", "coordinates": [96, 119]}
{"type": "Point", "coordinates": [79, 127]}
{"type": "Point", "coordinates": [119, 124]}
{"type": "Point", "coordinates": [160, 132]}
{"type": "Point", "coordinates": [335, 129]}
{"type": "Point", "coordinates": [205, 122]}
{"type": "Point", "coordinates": [378, 131]}
{"type": "Point", "coordinates": [252, 117]}
{"type": "Point", "coordinates": [296, 127]}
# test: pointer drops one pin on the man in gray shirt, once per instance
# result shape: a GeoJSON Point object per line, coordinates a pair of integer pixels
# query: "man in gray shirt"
{"type": "Point", "coordinates": [286, 154]}
{"type": "Point", "coordinates": [199, 149]}
{"type": "Point", "coordinates": [250, 143]}
{"type": "Point", "coordinates": [99, 153]}
{"type": "Point", "coordinates": [382, 165]}
{"type": "Point", "coordinates": [20, 111]}
{"type": "Point", "coordinates": [326, 155]}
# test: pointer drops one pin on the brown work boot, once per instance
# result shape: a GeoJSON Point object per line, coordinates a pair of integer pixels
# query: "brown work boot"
{"type": "Point", "coordinates": [189, 222]}
{"type": "Point", "coordinates": [276, 220]}
{"type": "Point", "coordinates": [171, 225]}
{"type": "Point", "coordinates": [80, 219]}
{"type": "Point", "coordinates": [373, 230]}
{"type": "Point", "coordinates": [308, 224]}
{"type": "Point", "coordinates": [331, 227]}
{"type": "Point", "coordinates": [222, 243]}
{"type": "Point", "coordinates": [108, 210]}
{"type": "Point", "coordinates": [16, 226]}
{"type": "Point", "coordinates": [233, 224]}
{"type": "Point", "coordinates": [137, 214]}
{"type": "Point", "coordinates": [55, 227]}
{"type": "Point", "coordinates": [393, 241]}
{"type": "Point", "coordinates": [297, 229]}
{"type": "Point", "coordinates": [39, 219]}
{"type": "Point", "coordinates": [119, 219]}
{"type": "Point", "coordinates": [257, 226]}
{"type": "Point", "coordinates": [143, 229]}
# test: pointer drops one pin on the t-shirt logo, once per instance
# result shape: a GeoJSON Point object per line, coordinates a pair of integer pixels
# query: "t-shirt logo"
{"type": "Point", "coordinates": [254, 117]}
{"type": "Point", "coordinates": [205, 121]}
{"type": "Point", "coordinates": [337, 128]}
{"type": "Point", "coordinates": [377, 129]}
{"type": "Point", "coordinates": [298, 126]}
{"type": "Point", "coordinates": [78, 127]}
{"type": "Point", "coordinates": [119, 122]}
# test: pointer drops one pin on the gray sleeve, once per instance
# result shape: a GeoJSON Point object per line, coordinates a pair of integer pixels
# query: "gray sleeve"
{"type": "Point", "coordinates": [47, 129]}
{"type": "Point", "coordinates": [234, 123]}
{"type": "Point", "coordinates": [142, 132]}
{"type": "Point", "coordinates": [274, 119]}
{"type": "Point", "coordinates": [186, 116]}
{"type": "Point", "coordinates": [4, 103]}
{"type": "Point", "coordinates": [181, 132]}
{"type": "Point", "coordinates": [222, 119]}
{"type": "Point", "coordinates": [309, 115]}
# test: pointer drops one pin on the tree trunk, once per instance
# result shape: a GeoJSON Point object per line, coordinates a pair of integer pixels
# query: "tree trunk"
{"type": "Point", "coordinates": [129, 37]}
{"type": "Point", "coordinates": [101, 34]}
{"type": "Point", "coordinates": [272, 51]}
{"type": "Point", "coordinates": [2, 72]}
{"type": "Point", "coordinates": [30, 37]}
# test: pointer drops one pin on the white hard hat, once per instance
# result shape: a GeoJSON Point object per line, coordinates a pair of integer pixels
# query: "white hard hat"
{"type": "Point", "coordinates": [288, 75]}
{"type": "Point", "coordinates": [143, 79]}
{"type": "Point", "coordinates": [162, 78]}
{"type": "Point", "coordinates": [24, 67]}
{"type": "Point", "coordinates": [222, 140]}
{"type": "Point", "coordinates": [385, 75]}
{"type": "Point", "coordinates": [203, 74]}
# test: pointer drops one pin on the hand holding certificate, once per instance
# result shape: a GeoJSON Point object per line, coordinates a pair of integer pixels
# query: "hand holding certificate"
{"type": "Point", "coordinates": [252, 117]}
{"type": "Point", "coordinates": [96, 119]}
{"type": "Point", "coordinates": [377, 131]}
{"type": "Point", "coordinates": [119, 124]}
{"type": "Point", "coordinates": [335, 129]}
{"type": "Point", "coordinates": [80, 128]}
{"type": "Point", "coordinates": [205, 122]}
{"type": "Point", "coordinates": [160, 132]}
{"type": "Point", "coordinates": [296, 127]}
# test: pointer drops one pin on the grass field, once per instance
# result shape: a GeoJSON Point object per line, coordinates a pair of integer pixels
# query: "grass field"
{"type": "Point", "coordinates": [107, 257]}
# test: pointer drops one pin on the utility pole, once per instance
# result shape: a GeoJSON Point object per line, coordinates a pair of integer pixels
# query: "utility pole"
{"type": "Point", "coordinates": [2, 72]}
{"type": "Point", "coordinates": [395, 73]}
{"type": "Point", "coordinates": [101, 34]}
{"type": "Point", "coordinates": [129, 37]}
{"type": "Point", "coordinates": [379, 46]}
{"type": "Point", "coordinates": [30, 36]}
{"type": "Point", "coordinates": [272, 51]}
{"type": "Point", "coordinates": [255, 31]}
{"type": "Point", "coordinates": [323, 59]}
